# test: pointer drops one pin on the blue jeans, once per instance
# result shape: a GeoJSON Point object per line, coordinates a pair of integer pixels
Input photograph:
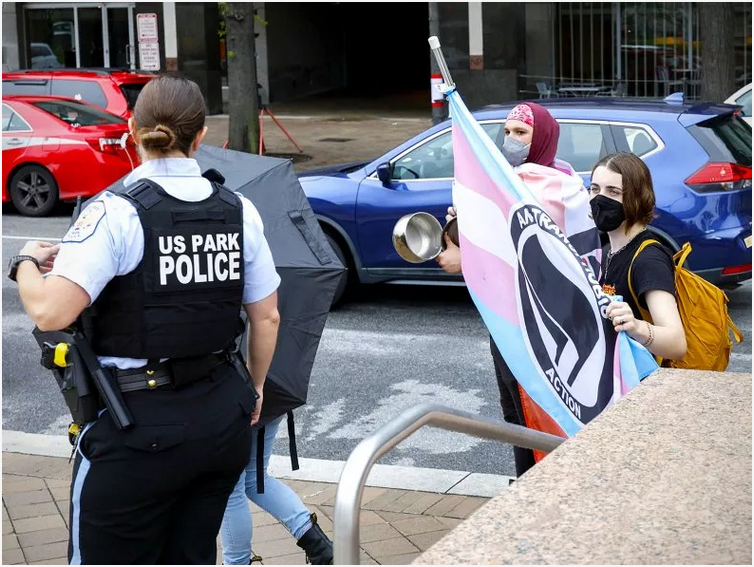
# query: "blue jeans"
{"type": "Point", "coordinates": [278, 499]}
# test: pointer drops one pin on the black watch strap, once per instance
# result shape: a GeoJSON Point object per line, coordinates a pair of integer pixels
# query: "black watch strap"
{"type": "Point", "coordinates": [15, 261]}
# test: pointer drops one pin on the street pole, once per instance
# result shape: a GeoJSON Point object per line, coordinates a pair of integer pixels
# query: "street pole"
{"type": "Point", "coordinates": [438, 103]}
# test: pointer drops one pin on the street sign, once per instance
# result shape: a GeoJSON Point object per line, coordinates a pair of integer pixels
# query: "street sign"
{"type": "Point", "coordinates": [146, 25]}
{"type": "Point", "coordinates": [149, 56]}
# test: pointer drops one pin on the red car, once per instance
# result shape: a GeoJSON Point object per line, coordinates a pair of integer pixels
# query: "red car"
{"type": "Point", "coordinates": [59, 149]}
{"type": "Point", "coordinates": [114, 90]}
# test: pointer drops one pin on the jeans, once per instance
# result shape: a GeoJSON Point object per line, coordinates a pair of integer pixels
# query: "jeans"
{"type": "Point", "coordinates": [278, 499]}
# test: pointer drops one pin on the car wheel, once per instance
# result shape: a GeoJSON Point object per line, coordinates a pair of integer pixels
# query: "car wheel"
{"type": "Point", "coordinates": [33, 191]}
{"type": "Point", "coordinates": [343, 284]}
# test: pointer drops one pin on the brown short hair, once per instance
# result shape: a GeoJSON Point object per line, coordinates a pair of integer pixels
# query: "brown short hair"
{"type": "Point", "coordinates": [638, 193]}
{"type": "Point", "coordinates": [168, 114]}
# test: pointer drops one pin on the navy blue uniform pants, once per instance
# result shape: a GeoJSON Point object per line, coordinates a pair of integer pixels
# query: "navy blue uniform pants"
{"type": "Point", "coordinates": [156, 494]}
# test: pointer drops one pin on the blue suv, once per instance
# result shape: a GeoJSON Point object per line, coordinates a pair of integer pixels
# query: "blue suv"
{"type": "Point", "coordinates": [699, 156]}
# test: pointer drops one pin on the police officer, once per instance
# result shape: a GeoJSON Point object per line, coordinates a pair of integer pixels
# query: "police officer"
{"type": "Point", "coordinates": [162, 269]}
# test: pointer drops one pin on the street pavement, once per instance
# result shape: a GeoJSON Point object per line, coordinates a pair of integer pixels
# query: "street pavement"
{"type": "Point", "coordinates": [386, 349]}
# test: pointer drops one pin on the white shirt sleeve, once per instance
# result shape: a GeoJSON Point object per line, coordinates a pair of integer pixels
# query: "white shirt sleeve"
{"type": "Point", "coordinates": [106, 241]}
{"type": "Point", "coordinates": [260, 276]}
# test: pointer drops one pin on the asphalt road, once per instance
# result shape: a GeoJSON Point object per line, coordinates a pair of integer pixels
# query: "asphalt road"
{"type": "Point", "coordinates": [387, 349]}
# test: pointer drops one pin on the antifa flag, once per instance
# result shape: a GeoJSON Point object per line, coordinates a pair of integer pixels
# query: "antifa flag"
{"type": "Point", "coordinates": [530, 255]}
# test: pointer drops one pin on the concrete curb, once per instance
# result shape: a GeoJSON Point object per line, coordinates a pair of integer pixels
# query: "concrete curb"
{"type": "Point", "coordinates": [313, 470]}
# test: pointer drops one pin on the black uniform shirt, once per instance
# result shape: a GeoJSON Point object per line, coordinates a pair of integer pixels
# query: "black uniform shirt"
{"type": "Point", "coordinates": [653, 269]}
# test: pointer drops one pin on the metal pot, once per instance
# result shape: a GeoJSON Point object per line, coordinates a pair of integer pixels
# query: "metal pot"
{"type": "Point", "coordinates": [418, 237]}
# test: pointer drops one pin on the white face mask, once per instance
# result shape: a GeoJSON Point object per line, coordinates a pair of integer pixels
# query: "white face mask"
{"type": "Point", "coordinates": [514, 151]}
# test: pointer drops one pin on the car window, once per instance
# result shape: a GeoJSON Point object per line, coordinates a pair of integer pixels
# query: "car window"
{"type": "Point", "coordinates": [633, 139]}
{"type": "Point", "coordinates": [434, 159]}
{"type": "Point", "coordinates": [745, 101]}
{"type": "Point", "coordinates": [76, 114]}
{"type": "Point", "coordinates": [725, 138]}
{"type": "Point", "coordinates": [12, 122]}
{"type": "Point", "coordinates": [30, 86]}
{"type": "Point", "coordinates": [88, 91]}
{"type": "Point", "coordinates": [131, 92]}
{"type": "Point", "coordinates": [581, 144]}
{"type": "Point", "coordinates": [7, 114]}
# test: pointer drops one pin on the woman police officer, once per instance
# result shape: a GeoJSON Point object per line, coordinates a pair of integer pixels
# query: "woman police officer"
{"type": "Point", "coordinates": [162, 268]}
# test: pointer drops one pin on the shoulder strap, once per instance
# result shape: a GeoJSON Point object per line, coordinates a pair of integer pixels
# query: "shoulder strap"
{"type": "Point", "coordinates": [644, 313]}
{"type": "Point", "coordinates": [292, 441]}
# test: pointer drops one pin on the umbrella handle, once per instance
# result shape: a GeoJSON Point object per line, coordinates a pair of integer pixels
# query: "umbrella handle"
{"type": "Point", "coordinates": [434, 45]}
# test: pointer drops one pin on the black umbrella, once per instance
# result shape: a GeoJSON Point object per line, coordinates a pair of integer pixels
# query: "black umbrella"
{"type": "Point", "coordinates": [309, 270]}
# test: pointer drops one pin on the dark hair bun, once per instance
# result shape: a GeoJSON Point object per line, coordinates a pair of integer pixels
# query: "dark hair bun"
{"type": "Point", "coordinates": [161, 138]}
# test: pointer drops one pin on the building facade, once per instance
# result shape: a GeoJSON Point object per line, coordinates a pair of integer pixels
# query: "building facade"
{"type": "Point", "coordinates": [496, 51]}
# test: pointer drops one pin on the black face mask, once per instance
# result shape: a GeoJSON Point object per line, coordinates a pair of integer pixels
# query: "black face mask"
{"type": "Point", "coordinates": [608, 214]}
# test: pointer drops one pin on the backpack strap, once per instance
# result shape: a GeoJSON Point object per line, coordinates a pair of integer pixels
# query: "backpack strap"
{"type": "Point", "coordinates": [644, 313]}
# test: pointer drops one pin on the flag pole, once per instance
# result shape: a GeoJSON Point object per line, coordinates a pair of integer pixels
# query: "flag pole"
{"type": "Point", "coordinates": [434, 45]}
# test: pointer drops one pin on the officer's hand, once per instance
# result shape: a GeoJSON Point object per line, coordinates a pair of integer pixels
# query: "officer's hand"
{"type": "Point", "coordinates": [258, 408]}
{"type": "Point", "coordinates": [450, 259]}
{"type": "Point", "coordinates": [44, 252]}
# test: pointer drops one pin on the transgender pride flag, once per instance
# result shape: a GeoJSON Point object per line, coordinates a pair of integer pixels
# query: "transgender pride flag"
{"type": "Point", "coordinates": [529, 258]}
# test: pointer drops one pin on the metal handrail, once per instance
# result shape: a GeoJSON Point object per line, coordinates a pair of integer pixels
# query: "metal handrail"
{"type": "Point", "coordinates": [360, 462]}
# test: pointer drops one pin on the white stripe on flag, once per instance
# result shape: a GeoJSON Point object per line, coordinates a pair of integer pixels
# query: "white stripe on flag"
{"type": "Point", "coordinates": [486, 226]}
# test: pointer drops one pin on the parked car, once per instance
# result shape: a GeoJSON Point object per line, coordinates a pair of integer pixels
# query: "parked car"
{"type": "Point", "coordinates": [699, 156]}
{"type": "Point", "coordinates": [59, 149]}
{"type": "Point", "coordinates": [742, 97]}
{"type": "Point", "coordinates": [114, 90]}
{"type": "Point", "coordinates": [42, 57]}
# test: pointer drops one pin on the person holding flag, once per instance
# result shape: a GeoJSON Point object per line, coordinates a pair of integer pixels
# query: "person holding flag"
{"type": "Point", "coordinates": [531, 138]}
{"type": "Point", "coordinates": [623, 203]}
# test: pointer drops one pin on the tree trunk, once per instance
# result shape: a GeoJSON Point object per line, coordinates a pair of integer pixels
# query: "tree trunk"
{"type": "Point", "coordinates": [717, 54]}
{"type": "Point", "coordinates": [243, 108]}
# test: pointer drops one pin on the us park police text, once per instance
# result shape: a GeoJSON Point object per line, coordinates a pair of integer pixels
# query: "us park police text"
{"type": "Point", "coordinates": [213, 257]}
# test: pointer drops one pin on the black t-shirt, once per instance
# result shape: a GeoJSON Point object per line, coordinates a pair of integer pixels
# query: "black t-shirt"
{"type": "Point", "coordinates": [653, 269]}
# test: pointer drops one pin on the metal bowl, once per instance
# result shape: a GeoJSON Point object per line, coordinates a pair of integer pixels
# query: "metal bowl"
{"type": "Point", "coordinates": [418, 237]}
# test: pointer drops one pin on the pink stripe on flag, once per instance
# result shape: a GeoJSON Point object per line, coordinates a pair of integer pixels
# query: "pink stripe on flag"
{"type": "Point", "coordinates": [491, 280]}
{"type": "Point", "coordinates": [469, 172]}
{"type": "Point", "coordinates": [549, 192]}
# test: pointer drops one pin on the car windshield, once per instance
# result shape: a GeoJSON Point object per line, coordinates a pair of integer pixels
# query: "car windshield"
{"type": "Point", "coordinates": [745, 101]}
{"type": "Point", "coordinates": [76, 114]}
{"type": "Point", "coordinates": [131, 92]}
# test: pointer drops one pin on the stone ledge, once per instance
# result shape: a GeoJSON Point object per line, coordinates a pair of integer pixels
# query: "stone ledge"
{"type": "Point", "coordinates": [662, 477]}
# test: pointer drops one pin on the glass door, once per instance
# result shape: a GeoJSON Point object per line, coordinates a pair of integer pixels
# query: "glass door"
{"type": "Point", "coordinates": [118, 29]}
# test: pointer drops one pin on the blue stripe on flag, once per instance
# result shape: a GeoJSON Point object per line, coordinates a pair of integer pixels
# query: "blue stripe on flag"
{"type": "Point", "coordinates": [636, 362]}
{"type": "Point", "coordinates": [509, 335]}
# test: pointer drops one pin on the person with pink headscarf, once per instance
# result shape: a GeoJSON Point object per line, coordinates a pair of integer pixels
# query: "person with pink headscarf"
{"type": "Point", "coordinates": [530, 145]}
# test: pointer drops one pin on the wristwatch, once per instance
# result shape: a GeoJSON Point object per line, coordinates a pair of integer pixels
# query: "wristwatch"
{"type": "Point", "coordinates": [14, 263]}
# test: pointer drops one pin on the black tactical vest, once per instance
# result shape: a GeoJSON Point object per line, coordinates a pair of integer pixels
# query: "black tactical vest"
{"type": "Point", "coordinates": [184, 298]}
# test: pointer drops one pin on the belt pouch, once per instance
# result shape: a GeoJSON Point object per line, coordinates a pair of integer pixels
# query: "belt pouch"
{"type": "Point", "coordinates": [188, 370]}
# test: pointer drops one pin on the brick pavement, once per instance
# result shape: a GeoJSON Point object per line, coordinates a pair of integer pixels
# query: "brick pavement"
{"type": "Point", "coordinates": [396, 525]}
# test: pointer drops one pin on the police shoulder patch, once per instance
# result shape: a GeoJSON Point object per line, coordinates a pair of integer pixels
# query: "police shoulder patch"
{"type": "Point", "coordinates": [87, 223]}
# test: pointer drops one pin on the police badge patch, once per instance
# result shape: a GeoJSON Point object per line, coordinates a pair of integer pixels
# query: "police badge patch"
{"type": "Point", "coordinates": [87, 223]}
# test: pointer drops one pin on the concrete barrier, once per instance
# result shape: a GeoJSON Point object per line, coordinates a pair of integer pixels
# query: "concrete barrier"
{"type": "Point", "coordinates": [662, 477]}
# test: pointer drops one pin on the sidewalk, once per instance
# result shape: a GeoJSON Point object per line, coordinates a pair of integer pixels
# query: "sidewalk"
{"type": "Point", "coordinates": [327, 138]}
{"type": "Point", "coordinates": [396, 525]}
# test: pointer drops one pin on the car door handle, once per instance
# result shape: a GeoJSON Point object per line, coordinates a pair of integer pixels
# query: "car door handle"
{"type": "Point", "coordinates": [14, 142]}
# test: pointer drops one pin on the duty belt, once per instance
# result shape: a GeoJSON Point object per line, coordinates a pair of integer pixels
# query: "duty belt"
{"type": "Point", "coordinates": [178, 373]}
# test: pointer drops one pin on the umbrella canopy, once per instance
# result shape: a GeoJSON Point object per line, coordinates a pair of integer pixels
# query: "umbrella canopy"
{"type": "Point", "coordinates": [309, 270]}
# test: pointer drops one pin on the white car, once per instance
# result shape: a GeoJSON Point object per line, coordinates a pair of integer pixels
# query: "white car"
{"type": "Point", "coordinates": [742, 97]}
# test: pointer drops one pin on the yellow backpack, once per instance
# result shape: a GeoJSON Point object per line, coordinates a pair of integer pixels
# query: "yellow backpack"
{"type": "Point", "coordinates": [704, 313]}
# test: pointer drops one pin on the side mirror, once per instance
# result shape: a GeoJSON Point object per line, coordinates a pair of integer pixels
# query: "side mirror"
{"type": "Point", "coordinates": [384, 173]}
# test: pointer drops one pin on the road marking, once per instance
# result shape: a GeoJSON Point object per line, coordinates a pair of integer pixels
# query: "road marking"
{"type": "Point", "coordinates": [45, 238]}
{"type": "Point", "coordinates": [313, 470]}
